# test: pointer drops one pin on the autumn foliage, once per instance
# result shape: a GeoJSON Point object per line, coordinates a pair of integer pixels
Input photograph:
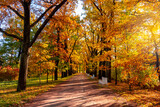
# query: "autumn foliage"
{"type": "Point", "coordinates": [8, 73]}
{"type": "Point", "coordinates": [117, 39]}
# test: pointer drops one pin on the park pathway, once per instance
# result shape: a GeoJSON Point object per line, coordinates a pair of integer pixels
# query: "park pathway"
{"type": "Point", "coordinates": [79, 91]}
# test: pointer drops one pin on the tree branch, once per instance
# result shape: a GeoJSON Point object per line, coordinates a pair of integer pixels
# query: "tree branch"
{"type": "Point", "coordinates": [11, 35]}
{"type": "Point", "coordinates": [87, 44]}
{"type": "Point", "coordinates": [73, 48]}
{"type": "Point", "coordinates": [99, 9]}
{"type": "Point", "coordinates": [45, 22]}
{"type": "Point", "coordinates": [42, 15]}
{"type": "Point", "coordinates": [22, 2]}
{"type": "Point", "coordinates": [16, 12]}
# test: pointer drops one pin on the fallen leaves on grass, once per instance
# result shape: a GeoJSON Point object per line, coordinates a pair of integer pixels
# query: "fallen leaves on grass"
{"type": "Point", "coordinates": [9, 96]}
{"type": "Point", "coordinates": [143, 97]}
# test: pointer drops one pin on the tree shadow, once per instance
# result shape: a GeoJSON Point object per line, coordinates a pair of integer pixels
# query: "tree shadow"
{"type": "Point", "coordinates": [87, 93]}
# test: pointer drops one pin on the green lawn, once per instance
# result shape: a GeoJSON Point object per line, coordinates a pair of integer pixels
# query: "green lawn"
{"type": "Point", "coordinates": [9, 96]}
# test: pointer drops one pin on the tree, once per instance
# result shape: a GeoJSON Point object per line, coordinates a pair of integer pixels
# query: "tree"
{"type": "Point", "coordinates": [100, 13]}
{"type": "Point", "coordinates": [27, 42]}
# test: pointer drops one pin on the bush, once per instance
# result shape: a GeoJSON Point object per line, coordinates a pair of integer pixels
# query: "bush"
{"type": "Point", "coordinates": [8, 73]}
{"type": "Point", "coordinates": [146, 78]}
{"type": "Point", "coordinates": [149, 77]}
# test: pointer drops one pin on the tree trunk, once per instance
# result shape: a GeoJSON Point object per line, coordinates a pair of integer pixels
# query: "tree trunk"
{"type": "Point", "coordinates": [65, 48]}
{"type": "Point", "coordinates": [116, 74]}
{"type": "Point", "coordinates": [56, 70]}
{"type": "Point", "coordinates": [109, 67]}
{"type": "Point", "coordinates": [100, 64]}
{"type": "Point", "coordinates": [95, 71]}
{"type": "Point", "coordinates": [57, 60]}
{"type": "Point", "coordinates": [40, 74]}
{"type": "Point", "coordinates": [66, 73]}
{"type": "Point", "coordinates": [70, 70]}
{"type": "Point", "coordinates": [130, 85]}
{"type": "Point", "coordinates": [111, 25]}
{"type": "Point", "coordinates": [25, 49]}
{"type": "Point", "coordinates": [47, 75]}
{"type": "Point", "coordinates": [52, 74]}
{"type": "Point", "coordinates": [157, 61]}
{"type": "Point", "coordinates": [100, 74]}
{"type": "Point", "coordinates": [23, 70]}
{"type": "Point", "coordinates": [103, 71]}
{"type": "Point", "coordinates": [62, 74]}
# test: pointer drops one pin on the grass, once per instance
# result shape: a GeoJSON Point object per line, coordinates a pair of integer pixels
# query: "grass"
{"type": "Point", "coordinates": [143, 97]}
{"type": "Point", "coordinates": [9, 96]}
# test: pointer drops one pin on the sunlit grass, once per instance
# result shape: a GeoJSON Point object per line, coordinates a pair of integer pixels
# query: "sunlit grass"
{"type": "Point", "coordinates": [143, 97]}
{"type": "Point", "coordinates": [9, 96]}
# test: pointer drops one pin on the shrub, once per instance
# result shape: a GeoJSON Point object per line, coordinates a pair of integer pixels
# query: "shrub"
{"type": "Point", "coordinates": [8, 73]}
{"type": "Point", "coordinates": [145, 78]}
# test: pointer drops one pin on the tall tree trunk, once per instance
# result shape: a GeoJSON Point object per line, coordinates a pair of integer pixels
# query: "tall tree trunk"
{"type": "Point", "coordinates": [111, 25]}
{"type": "Point", "coordinates": [56, 70]}
{"type": "Point", "coordinates": [116, 72]}
{"type": "Point", "coordinates": [95, 70]}
{"type": "Point", "coordinates": [52, 74]}
{"type": "Point", "coordinates": [47, 75]}
{"type": "Point", "coordinates": [157, 61]}
{"type": "Point", "coordinates": [103, 63]}
{"type": "Point", "coordinates": [57, 60]}
{"type": "Point", "coordinates": [40, 74]}
{"type": "Point", "coordinates": [70, 70]}
{"type": "Point", "coordinates": [130, 85]}
{"type": "Point", "coordinates": [66, 73]}
{"type": "Point", "coordinates": [100, 64]}
{"type": "Point", "coordinates": [25, 49]}
{"type": "Point", "coordinates": [23, 70]}
{"type": "Point", "coordinates": [156, 52]}
{"type": "Point", "coordinates": [103, 70]}
{"type": "Point", "coordinates": [100, 74]}
{"type": "Point", "coordinates": [65, 48]}
{"type": "Point", "coordinates": [108, 65]}
{"type": "Point", "coordinates": [62, 74]}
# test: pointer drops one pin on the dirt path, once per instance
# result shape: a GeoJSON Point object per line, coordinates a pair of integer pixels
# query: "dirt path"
{"type": "Point", "coordinates": [79, 92]}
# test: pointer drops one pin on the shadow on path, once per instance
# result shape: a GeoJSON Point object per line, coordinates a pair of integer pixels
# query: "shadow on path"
{"type": "Point", "coordinates": [79, 92]}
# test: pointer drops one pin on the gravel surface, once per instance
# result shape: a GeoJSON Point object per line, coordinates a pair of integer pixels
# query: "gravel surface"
{"type": "Point", "coordinates": [79, 91]}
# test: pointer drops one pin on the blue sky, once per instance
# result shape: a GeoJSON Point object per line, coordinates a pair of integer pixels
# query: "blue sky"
{"type": "Point", "coordinates": [1, 37]}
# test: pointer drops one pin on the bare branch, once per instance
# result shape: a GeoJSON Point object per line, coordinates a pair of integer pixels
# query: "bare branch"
{"type": "Point", "coordinates": [99, 9]}
{"type": "Point", "coordinates": [42, 15]}
{"type": "Point", "coordinates": [11, 35]}
{"type": "Point", "coordinates": [46, 21]}
{"type": "Point", "coordinates": [16, 12]}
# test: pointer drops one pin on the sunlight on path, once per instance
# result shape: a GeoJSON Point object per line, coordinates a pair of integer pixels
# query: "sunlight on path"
{"type": "Point", "coordinates": [78, 92]}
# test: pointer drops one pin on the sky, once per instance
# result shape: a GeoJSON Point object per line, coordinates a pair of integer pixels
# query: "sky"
{"type": "Point", "coordinates": [1, 37]}
{"type": "Point", "coordinates": [79, 9]}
